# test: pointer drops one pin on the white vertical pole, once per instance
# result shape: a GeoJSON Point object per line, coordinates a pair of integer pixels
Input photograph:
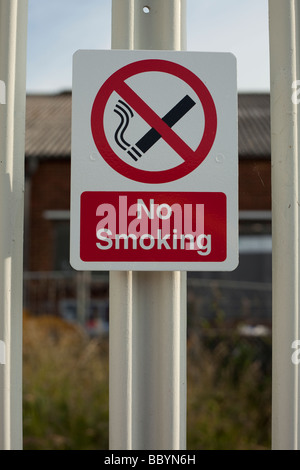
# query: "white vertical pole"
{"type": "Point", "coordinates": [148, 309]}
{"type": "Point", "coordinates": [13, 35]}
{"type": "Point", "coordinates": [285, 129]}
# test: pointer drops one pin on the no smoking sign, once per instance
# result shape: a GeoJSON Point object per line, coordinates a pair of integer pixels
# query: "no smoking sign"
{"type": "Point", "coordinates": [154, 161]}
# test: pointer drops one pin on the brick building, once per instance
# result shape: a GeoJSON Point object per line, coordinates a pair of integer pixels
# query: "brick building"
{"type": "Point", "coordinates": [47, 188]}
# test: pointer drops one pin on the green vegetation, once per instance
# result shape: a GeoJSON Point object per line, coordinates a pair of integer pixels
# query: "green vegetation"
{"type": "Point", "coordinates": [229, 394]}
{"type": "Point", "coordinates": [65, 388]}
{"type": "Point", "coordinates": [65, 383]}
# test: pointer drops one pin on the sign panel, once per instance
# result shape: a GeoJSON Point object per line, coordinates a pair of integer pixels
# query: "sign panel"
{"type": "Point", "coordinates": [154, 161]}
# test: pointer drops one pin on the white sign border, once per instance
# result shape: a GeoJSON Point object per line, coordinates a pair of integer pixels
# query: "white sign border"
{"type": "Point", "coordinates": [118, 59]}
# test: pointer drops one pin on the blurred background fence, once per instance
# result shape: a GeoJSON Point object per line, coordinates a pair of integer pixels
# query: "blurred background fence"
{"type": "Point", "coordinates": [82, 297]}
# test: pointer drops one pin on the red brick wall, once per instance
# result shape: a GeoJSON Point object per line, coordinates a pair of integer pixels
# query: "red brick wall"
{"type": "Point", "coordinates": [255, 185]}
{"type": "Point", "coordinates": [50, 190]}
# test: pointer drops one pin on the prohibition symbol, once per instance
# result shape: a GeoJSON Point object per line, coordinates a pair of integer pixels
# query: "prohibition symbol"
{"type": "Point", "coordinates": [160, 127]}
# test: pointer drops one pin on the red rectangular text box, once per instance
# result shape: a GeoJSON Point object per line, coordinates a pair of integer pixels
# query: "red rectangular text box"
{"type": "Point", "coordinates": [153, 227]}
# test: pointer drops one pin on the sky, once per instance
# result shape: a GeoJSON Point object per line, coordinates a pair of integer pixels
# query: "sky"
{"type": "Point", "coordinates": [58, 28]}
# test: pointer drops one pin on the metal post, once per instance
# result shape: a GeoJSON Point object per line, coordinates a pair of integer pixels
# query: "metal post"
{"type": "Point", "coordinates": [13, 33]}
{"type": "Point", "coordinates": [148, 309]}
{"type": "Point", "coordinates": [285, 127]}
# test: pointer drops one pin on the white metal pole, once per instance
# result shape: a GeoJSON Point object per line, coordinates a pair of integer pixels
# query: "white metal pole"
{"type": "Point", "coordinates": [148, 309]}
{"type": "Point", "coordinates": [13, 35]}
{"type": "Point", "coordinates": [285, 129]}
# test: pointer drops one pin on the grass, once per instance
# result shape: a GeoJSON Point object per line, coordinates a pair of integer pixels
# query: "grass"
{"type": "Point", "coordinates": [65, 382]}
{"type": "Point", "coordinates": [229, 394]}
{"type": "Point", "coordinates": [65, 388]}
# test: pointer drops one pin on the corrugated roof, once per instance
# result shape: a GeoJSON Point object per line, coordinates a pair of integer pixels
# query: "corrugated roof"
{"type": "Point", "coordinates": [254, 125]}
{"type": "Point", "coordinates": [48, 125]}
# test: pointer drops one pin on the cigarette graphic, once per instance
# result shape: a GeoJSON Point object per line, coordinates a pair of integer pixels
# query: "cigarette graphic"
{"type": "Point", "coordinates": [173, 116]}
{"type": "Point", "coordinates": [152, 136]}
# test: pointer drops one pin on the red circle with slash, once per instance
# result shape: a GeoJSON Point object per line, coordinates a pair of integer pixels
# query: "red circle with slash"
{"type": "Point", "coordinates": [192, 158]}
